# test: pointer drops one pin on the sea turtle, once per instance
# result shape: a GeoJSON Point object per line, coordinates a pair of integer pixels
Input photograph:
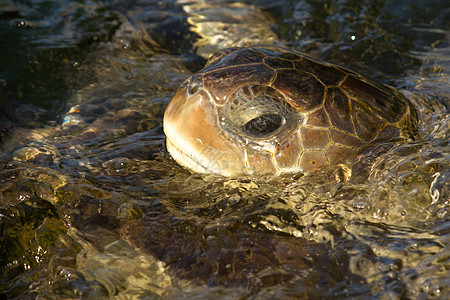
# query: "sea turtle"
{"type": "Point", "coordinates": [267, 110]}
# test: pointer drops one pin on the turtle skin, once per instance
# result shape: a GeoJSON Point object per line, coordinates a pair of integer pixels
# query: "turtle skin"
{"type": "Point", "coordinates": [268, 110]}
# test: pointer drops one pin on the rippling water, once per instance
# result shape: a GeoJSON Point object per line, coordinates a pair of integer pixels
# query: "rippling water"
{"type": "Point", "coordinates": [92, 206]}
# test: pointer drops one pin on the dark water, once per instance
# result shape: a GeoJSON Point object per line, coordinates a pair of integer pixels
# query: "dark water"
{"type": "Point", "coordinates": [92, 206]}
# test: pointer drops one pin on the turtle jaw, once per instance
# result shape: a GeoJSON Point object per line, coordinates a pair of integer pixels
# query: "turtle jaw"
{"type": "Point", "coordinates": [184, 159]}
{"type": "Point", "coordinates": [194, 138]}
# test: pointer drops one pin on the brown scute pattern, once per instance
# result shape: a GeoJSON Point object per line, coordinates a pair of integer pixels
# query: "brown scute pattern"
{"type": "Point", "coordinates": [337, 106]}
{"type": "Point", "coordinates": [287, 153]}
{"type": "Point", "coordinates": [256, 89]}
{"type": "Point", "coordinates": [313, 160]}
{"type": "Point", "coordinates": [260, 161]}
{"type": "Point", "coordinates": [345, 139]}
{"type": "Point", "coordinates": [390, 106]}
{"type": "Point", "coordinates": [389, 132]}
{"type": "Point", "coordinates": [367, 124]}
{"type": "Point", "coordinates": [302, 90]}
{"type": "Point", "coordinates": [314, 139]}
{"type": "Point", "coordinates": [318, 118]}
{"type": "Point", "coordinates": [328, 74]}
{"type": "Point", "coordinates": [277, 63]}
{"type": "Point", "coordinates": [218, 55]}
{"type": "Point", "coordinates": [221, 82]}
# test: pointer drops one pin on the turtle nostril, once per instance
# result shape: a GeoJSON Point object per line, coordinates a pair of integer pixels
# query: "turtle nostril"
{"type": "Point", "coordinates": [193, 88]}
{"type": "Point", "coordinates": [194, 85]}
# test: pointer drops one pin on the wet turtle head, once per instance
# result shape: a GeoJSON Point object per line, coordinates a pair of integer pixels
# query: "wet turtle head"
{"type": "Point", "coordinates": [266, 110]}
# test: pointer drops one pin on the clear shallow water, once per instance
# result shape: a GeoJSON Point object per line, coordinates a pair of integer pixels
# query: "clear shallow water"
{"type": "Point", "coordinates": [92, 206]}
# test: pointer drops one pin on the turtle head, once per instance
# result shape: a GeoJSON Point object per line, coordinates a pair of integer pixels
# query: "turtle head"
{"type": "Point", "coordinates": [265, 110]}
{"type": "Point", "coordinates": [236, 134]}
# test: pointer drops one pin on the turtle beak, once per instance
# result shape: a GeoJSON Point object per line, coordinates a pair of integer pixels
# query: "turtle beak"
{"type": "Point", "coordinates": [194, 138]}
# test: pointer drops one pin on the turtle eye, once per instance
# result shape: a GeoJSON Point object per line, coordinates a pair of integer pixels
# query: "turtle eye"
{"type": "Point", "coordinates": [263, 125]}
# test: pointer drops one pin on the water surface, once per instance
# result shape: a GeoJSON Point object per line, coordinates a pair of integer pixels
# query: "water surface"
{"type": "Point", "coordinates": [92, 206]}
